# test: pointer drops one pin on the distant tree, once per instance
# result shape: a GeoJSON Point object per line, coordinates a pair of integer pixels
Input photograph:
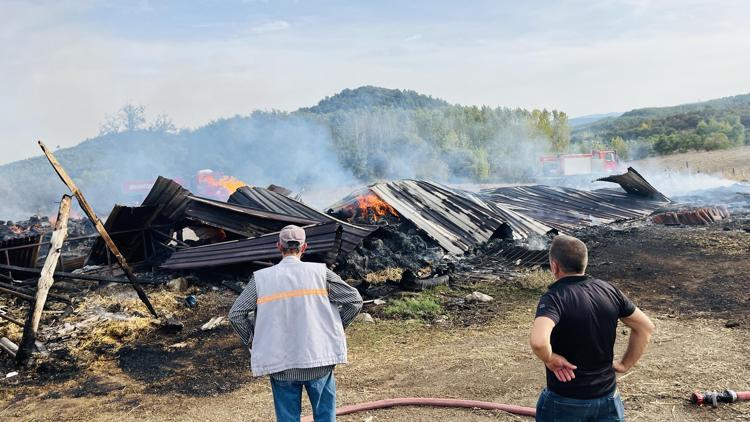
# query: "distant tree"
{"type": "Point", "coordinates": [110, 125]}
{"type": "Point", "coordinates": [621, 147]}
{"type": "Point", "coordinates": [162, 123]}
{"type": "Point", "coordinates": [560, 138]}
{"type": "Point", "coordinates": [132, 117]}
{"type": "Point", "coordinates": [716, 141]}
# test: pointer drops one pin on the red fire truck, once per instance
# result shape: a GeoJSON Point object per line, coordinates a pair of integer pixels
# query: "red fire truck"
{"type": "Point", "coordinates": [597, 162]}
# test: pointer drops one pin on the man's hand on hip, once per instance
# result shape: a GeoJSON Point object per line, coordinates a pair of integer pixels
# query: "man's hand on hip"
{"type": "Point", "coordinates": [620, 368]}
{"type": "Point", "coordinates": [562, 369]}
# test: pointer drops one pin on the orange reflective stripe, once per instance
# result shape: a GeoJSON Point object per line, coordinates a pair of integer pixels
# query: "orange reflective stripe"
{"type": "Point", "coordinates": [292, 293]}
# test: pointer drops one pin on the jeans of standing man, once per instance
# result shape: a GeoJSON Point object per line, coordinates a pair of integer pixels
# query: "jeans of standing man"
{"type": "Point", "coordinates": [287, 398]}
{"type": "Point", "coordinates": [554, 407]}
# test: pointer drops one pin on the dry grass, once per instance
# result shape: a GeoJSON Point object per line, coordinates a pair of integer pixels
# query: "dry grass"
{"type": "Point", "coordinates": [12, 331]}
{"type": "Point", "coordinates": [536, 279]}
{"type": "Point", "coordinates": [112, 334]}
{"type": "Point", "coordinates": [730, 163]}
{"type": "Point", "coordinates": [384, 275]}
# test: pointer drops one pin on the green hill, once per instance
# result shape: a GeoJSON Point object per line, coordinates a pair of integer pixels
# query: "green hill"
{"type": "Point", "coordinates": [369, 97]}
{"type": "Point", "coordinates": [709, 125]}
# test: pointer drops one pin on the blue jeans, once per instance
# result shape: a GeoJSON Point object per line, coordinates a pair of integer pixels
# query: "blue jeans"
{"type": "Point", "coordinates": [554, 407]}
{"type": "Point", "coordinates": [287, 398]}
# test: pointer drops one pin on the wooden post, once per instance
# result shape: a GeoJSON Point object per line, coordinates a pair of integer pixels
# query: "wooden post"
{"type": "Point", "coordinates": [45, 282]}
{"type": "Point", "coordinates": [99, 227]}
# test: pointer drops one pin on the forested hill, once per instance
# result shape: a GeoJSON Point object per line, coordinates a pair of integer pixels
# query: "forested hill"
{"type": "Point", "coordinates": [709, 125]}
{"type": "Point", "coordinates": [352, 138]}
{"type": "Point", "coordinates": [370, 97]}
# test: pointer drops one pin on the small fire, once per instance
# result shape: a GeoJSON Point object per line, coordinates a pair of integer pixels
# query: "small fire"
{"type": "Point", "coordinates": [370, 207]}
{"type": "Point", "coordinates": [225, 184]}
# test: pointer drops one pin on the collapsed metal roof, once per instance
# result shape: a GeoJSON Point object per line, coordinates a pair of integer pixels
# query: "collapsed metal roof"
{"type": "Point", "coordinates": [632, 182]}
{"type": "Point", "coordinates": [22, 251]}
{"type": "Point", "coordinates": [566, 208]}
{"type": "Point", "coordinates": [266, 199]}
{"type": "Point", "coordinates": [129, 229]}
{"type": "Point", "coordinates": [271, 200]}
{"type": "Point", "coordinates": [169, 198]}
{"type": "Point", "coordinates": [237, 219]}
{"type": "Point", "coordinates": [452, 218]}
{"type": "Point", "coordinates": [324, 245]}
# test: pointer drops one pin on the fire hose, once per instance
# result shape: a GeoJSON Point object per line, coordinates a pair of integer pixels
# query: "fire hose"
{"type": "Point", "coordinates": [713, 398]}
{"type": "Point", "coordinates": [418, 401]}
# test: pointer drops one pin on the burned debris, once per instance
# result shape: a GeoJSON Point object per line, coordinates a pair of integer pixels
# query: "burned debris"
{"type": "Point", "coordinates": [389, 237]}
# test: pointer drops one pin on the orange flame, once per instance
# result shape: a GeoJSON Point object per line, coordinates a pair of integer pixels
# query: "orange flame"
{"type": "Point", "coordinates": [227, 183]}
{"type": "Point", "coordinates": [372, 207]}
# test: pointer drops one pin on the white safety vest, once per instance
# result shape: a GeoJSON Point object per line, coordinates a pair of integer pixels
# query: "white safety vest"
{"type": "Point", "coordinates": [296, 326]}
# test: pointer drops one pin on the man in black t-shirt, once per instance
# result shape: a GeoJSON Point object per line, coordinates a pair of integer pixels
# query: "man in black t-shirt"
{"type": "Point", "coordinates": [574, 334]}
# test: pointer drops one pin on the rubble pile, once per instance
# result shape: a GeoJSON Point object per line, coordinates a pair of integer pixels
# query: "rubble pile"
{"type": "Point", "coordinates": [35, 225]}
{"type": "Point", "coordinates": [406, 235]}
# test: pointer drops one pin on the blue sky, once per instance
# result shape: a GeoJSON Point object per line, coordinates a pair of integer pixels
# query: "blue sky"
{"type": "Point", "coordinates": [66, 64]}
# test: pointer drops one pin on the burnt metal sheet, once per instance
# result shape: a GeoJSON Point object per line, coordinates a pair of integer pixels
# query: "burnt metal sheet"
{"type": "Point", "coordinates": [268, 200]}
{"type": "Point", "coordinates": [272, 201]}
{"type": "Point", "coordinates": [566, 209]}
{"type": "Point", "coordinates": [456, 220]}
{"type": "Point", "coordinates": [633, 183]}
{"type": "Point", "coordinates": [132, 244]}
{"type": "Point", "coordinates": [238, 219]}
{"type": "Point", "coordinates": [324, 244]}
{"type": "Point", "coordinates": [169, 198]}
{"type": "Point", "coordinates": [521, 225]}
{"type": "Point", "coordinates": [21, 252]}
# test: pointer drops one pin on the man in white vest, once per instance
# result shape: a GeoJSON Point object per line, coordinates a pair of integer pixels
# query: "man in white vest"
{"type": "Point", "coordinates": [294, 314]}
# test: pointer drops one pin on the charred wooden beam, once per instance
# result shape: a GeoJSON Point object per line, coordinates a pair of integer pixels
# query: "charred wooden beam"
{"type": "Point", "coordinates": [18, 294]}
{"type": "Point", "coordinates": [99, 227]}
{"type": "Point", "coordinates": [68, 276]}
{"type": "Point", "coordinates": [7, 317]}
{"type": "Point", "coordinates": [45, 282]}
{"type": "Point", "coordinates": [31, 292]}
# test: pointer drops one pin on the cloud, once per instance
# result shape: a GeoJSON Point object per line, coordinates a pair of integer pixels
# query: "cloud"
{"type": "Point", "coordinates": [412, 38]}
{"type": "Point", "coordinates": [272, 26]}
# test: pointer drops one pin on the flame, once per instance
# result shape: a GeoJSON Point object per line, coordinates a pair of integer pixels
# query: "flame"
{"type": "Point", "coordinates": [227, 183]}
{"type": "Point", "coordinates": [370, 206]}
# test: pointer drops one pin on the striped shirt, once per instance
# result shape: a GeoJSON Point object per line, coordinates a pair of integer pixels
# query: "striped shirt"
{"type": "Point", "coordinates": [242, 318]}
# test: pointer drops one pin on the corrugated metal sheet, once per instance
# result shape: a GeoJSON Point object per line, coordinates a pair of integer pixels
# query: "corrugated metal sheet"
{"type": "Point", "coordinates": [20, 256]}
{"type": "Point", "coordinates": [132, 245]}
{"type": "Point", "coordinates": [324, 244]}
{"type": "Point", "coordinates": [265, 199]}
{"type": "Point", "coordinates": [522, 225]}
{"type": "Point", "coordinates": [169, 198]}
{"type": "Point", "coordinates": [633, 183]}
{"type": "Point", "coordinates": [271, 201]}
{"type": "Point", "coordinates": [241, 220]}
{"type": "Point", "coordinates": [454, 219]}
{"type": "Point", "coordinates": [566, 208]}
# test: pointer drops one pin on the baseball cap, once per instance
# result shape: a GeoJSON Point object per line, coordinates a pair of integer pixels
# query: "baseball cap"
{"type": "Point", "coordinates": [292, 233]}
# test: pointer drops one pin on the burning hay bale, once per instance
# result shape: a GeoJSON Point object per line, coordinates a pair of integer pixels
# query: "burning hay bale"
{"type": "Point", "coordinates": [365, 207]}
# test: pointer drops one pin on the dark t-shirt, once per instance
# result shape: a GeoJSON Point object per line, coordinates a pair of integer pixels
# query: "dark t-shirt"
{"type": "Point", "coordinates": [585, 311]}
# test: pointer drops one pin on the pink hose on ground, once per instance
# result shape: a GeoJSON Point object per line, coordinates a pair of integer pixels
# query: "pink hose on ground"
{"type": "Point", "coordinates": [417, 401]}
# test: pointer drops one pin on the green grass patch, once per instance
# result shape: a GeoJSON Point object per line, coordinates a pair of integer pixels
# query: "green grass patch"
{"type": "Point", "coordinates": [425, 306]}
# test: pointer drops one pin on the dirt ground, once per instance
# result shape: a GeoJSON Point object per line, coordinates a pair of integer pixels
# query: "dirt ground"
{"type": "Point", "coordinates": [730, 163]}
{"type": "Point", "coordinates": [691, 281]}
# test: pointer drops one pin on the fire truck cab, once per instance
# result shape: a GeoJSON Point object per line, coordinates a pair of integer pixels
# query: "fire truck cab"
{"type": "Point", "coordinates": [597, 162]}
